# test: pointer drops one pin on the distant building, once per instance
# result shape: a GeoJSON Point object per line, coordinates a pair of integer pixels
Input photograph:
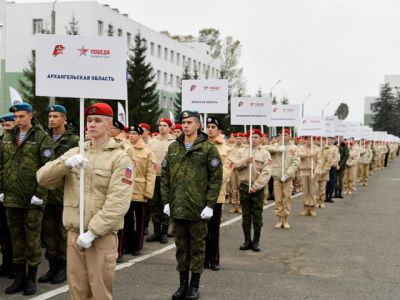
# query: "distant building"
{"type": "Point", "coordinates": [167, 56]}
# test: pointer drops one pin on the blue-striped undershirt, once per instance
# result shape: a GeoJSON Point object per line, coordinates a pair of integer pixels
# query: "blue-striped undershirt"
{"type": "Point", "coordinates": [21, 137]}
{"type": "Point", "coordinates": [56, 136]}
{"type": "Point", "coordinates": [188, 146]}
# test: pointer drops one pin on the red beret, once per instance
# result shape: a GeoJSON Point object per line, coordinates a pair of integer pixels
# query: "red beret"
{"type": "Point", "coordinates": [177, 126]}
{"type": "Point", "coordinates": [287, 131]}
{"type": "Point", "coordinates": [165, 120]}
{"type": "Point", "coordinates": [241, 134]}
{"type": "Point", "coordinates": [145, 126]}
{"type": "Point", "coordinates": [102, 109]}
{"type": "Point", "coordinates": [154, 134]}
{"type": "Point", "coordinates": [265, 135]}
{"type": "Point", "coordinates": [255, 131]}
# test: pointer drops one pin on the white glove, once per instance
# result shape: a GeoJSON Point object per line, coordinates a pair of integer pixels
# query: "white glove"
{"type": "Point", "coordinates": [2, 197]}
{"type": "Point", "coordinates": [36, 201]}
{"type": "Point", "coordinates": [282, 149]}
{"type": "Point", "coordinates": [85, 239]}
{"type": "Point", "coordinates": [284, 178]}
{"type": "Point", "coordinates": [167, 210]}
{"type": "Point", "coordinates": [207, 213]}
{"type": "Point", "coordinates": [76, 161]}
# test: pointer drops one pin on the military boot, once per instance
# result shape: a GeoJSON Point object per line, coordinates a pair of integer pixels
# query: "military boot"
{"type": "Point", "coordinates": [340, 194]}
{"type": "Point", "coordinates": [155, 237]}
{"type": "Point", "coordinates": [286, 223]}
{"type": "Point", "coordinates": [164, 235]}
{"type": "Point", "coordinates": [247, 245]}
{"type": "Point", "coordinates": [30, 286]}
{"type": "Point", "coordinates": [19, 281]}
{"type": "Point", "coordinates": [279, 224]}
{"type": "Point", "coordinates": [312, 211]}
{"type": "Point", "coordinates": [183, 285]}
{"type": "Point", "coordinates": [233, 209]}
{"type": "Point", "coordinates": [192, 292]}
{"type": "Point", "coordinates": [60, 275]}
{"type": "Point", "coordinates": [50, 273]}
{"type": "Point", "coordinates": [256, 241]}
{"type": "Point", "coordinates": [304, 212]}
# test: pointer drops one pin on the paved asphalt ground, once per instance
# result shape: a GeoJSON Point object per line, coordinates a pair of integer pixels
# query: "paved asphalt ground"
{"type": "Point", "coordinates": [351, 250]}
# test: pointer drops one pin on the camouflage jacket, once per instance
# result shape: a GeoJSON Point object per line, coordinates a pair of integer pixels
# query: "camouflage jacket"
{"type": "Point", "coordinates": [67, 140]}
{"type": "Point", "coordinates": [191, 179]}
{"type": "Point", "coordinates": [19, 164]}
{"type": "Point", "coordinates": [344, 155]}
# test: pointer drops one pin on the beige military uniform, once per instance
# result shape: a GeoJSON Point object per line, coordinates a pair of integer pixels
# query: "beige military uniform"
{"type": "Point", "coordinates": [322, 174]}
{"type": "Point", "coordinates": [350, 173]}
{"type": "Point", "coordinates": [238, 153]}
{"type": "Point", "coordinates": [108, 190]}
{"type": "Point", "coordinates": [365, 160]}
{"type": "Point", "coordinates": [227, 164]}
{"type": "Point", "coordinates": [159, 146]}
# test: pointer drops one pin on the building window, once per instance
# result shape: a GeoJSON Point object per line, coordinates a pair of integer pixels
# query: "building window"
{"type": "Point", "coordinates": [100, 27]}
{"type": "Point", "coordinates": [158, 76]}
{"type": "Point", "coordinates": [159, 51]}
{"type": "Point", "coordinates": [172, 56]}
{"type": "Point", "coordinates": [128, 38]}
{"type": "Point", "coordinates": [165, 78]}
{"type": "Point", "coordinates": [164, 103]}
{"type": "Point", "coordinates": [194, 65]}
{"type": "Point", "coordinates": [178, 59]}
{"type": "Point", "coordinates": [178, 82]}
{"type": "Point", "coordinates": [373, 107]}
{"type": "Point", "coordinates": [152, 48]}
{"type": "Point", "coordinates": [120, 32]}
{"type": "Point", "coordinates": [199, 67]}
{"type": "Point", "coordinates": [37, 26]}
{"type": "Point", "coordinates": [204, 68]}
{"type": "Point", "coordinates": [171, 80]}
{"type": "Point", "coordinates": [189, 64]}
{"type": "Point", "coordinates": [166, 53]}
{"type": "Point", "coordinates": [183, 60]}
{"type": "Point", "coordinates": [212, 72]}
{"type": "Point", "coordinates": [171, 103]}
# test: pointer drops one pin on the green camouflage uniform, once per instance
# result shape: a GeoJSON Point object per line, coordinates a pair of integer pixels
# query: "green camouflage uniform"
{"type": "Point", "coordinates": [18, 172]}
{"type": "Point", "coordinates": [344, 155]}
{"type": "Point", "coordinates": [54, 235]}
{"type": "Point", "coordinates": [191, 180]}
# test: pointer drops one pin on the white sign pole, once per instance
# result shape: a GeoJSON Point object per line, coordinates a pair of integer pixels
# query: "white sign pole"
{"type": "Point", "coordinates": [283, 152]}
{"type": "Point", "coordinates": [126, 113]}
{"type": "Point", "coordinates": [82, 169]}
{"type": "Point", "coordinates": [205, 123]}
{"type": "Point", "coordinates": [312, 158]}
{"type": "Point", "coordinates": [251, 154]}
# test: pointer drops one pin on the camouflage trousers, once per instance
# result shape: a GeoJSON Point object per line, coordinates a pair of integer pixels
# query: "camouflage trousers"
{"type": "Point", "coordinates": [190, 244]}
{"type": "Point", "coordinates": [25, 226]}
{"type": "Point", "coordinates": [5, 239]}
{"type": "Point", "coordinates": [157, 206]}
{"type": "Point", "coordinates": [340, 176]}
{"type": "Point", "coordinates": [54, 235]}
{"type": "Point", "coordinates": [252, 208]}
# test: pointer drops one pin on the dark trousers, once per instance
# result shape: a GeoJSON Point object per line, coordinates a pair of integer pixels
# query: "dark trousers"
{"type": "Point", "coordinates": [157, 206]}
{"type": "Point", "coordinates": [130, 239]}
{"type": "Point", "coordinates": [252, 208]}
{"type": "Point", "coordinates": [5, 239]}
{"type": "Point", "coordinates": [331, 185]}
{"type": "Point", "coordinates": [212, 237]}
{"type": "Point", "coordinates": [271, 189]}
{"type": "Point", "coordinates": [339, 182]}
{"type": "Point", "coordinates": [54, 234]}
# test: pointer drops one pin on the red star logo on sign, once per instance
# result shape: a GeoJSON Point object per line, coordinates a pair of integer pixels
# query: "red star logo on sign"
{"type": "Point", "coordinates": [82, 51]}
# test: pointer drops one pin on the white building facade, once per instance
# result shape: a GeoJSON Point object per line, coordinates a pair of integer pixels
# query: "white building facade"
{"type": "Point", "coordinates": [168, 57]}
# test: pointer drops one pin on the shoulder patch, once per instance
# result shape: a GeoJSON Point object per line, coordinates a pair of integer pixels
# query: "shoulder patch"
{"type": "Point", "coordinates": [164, 163]}
{"type": "Point", "coordinates": [47, 153]}
{"type": "Point", "coordinates": [214, 162]}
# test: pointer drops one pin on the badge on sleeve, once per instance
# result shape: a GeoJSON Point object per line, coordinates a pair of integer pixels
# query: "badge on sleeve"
{"type": "Point", "coordinates": [164, 163]}
{"type": "Point", "coordinates": [214, 162]}
{"type": "Point", "coordinates": [47, 153]}
{"type": "Point", "coordinates": [128, 172]}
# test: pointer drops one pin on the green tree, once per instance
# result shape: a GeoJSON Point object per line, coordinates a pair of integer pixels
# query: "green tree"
{"type": "Point", "coordinates": [110, 30]}
{"type": "Point", "coordinates": [386, 117]}
{"type": "Point", "coordinates": [211, 37]}
{"type": "Point", "coordinates": [342, 111]}
{"type": "Point", "coordinates": [143, 97]}
{"type": "Point", "coordinates": [28, 90]}
{"type": "Point", "coordinates": [73, 28]}
{"type": "Point", "coordinates": [178, 98]}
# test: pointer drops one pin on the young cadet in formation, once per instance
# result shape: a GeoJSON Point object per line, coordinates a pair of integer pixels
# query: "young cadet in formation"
{"type": "Point", "coordinates": [251, 196]}
{"type": "Point", "coordinates": [322, 175]}
{"type": "Point", "coordinates": [159, 146]}
{"type": "Point", "coordinates": [144, 175]}
{"type": "Point", "coordinates": [177, 130]}
{"type": "Point", "coordinates": [7, 268]}
{"type": "Point", "coordinates": [344, 155]}
{"type": "Point", "coordinates": [364, 162]}
{"type": "Point", "coordinates": [108, 190]}
{"type": "Point", "coordinates": [26, 148]}
{"type": "Point", "coordinates": [212, 239]}
{"type": "Point", "coordinates": [331, 184]}
{"type": "Point", "coordinates": [238, 153]}
{"type": "Point", "coordinates": [310, 163]}
{"type": "Point", "coordinates": [283, 182]}
{"type": "Point", "coordinates": [190, 186]}
{"type": "Point", "coordinates": [54, 235]}
{"type": "Point", "coordinates": [350, 174]}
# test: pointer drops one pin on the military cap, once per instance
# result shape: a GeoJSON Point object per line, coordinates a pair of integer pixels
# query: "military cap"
{"type": "Point", "coordinates": [255, 131]}
{"type": "Point", "coordinates": [23, 106]}
{"type": "Point", "coordinates": [56, 108]}
{"type": "Point", "coordinates": [145, 126]}
{"type": "Point", "coordinates": [287, 131]}
{"type": "Point", "coordinates": [136, 128]}
{"type": "Point", "coordinates": [187, 114]}
{"type": "Point", "coordinates": [116, 123]}
{"type": "Point", "coordinates": [166, 120]}
{"type": "Point", "coordinates": [7, 118]}
{"type": "Point", "coordinates": [177, 127]}
{"type": "Point", "coordinates": [211, 120]}
{"type": "Point", "coordinates": [102, 109]}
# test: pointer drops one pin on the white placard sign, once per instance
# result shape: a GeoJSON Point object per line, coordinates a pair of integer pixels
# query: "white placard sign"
{"type": "Point", "coordinates": [250, 110]}
{"type": "Point", "coordinates": [314, 126]}
{"type": "Point", "coordinates": [340, 128]}
{"type": "Point", "coordinates": [205, 96]}
{"type": "Point", "coordinates": [81, 67]}
{"type": "Point", "coordinates": [330, 126]}
{"type": "Point", "coordinates": [352, 130]}
{"type": "Point", "coordinates": [365, 132]}
{"type": "Point", "coordinates": [285, 115]}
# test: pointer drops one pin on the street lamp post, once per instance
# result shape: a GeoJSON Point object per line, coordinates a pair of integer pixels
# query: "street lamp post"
{"type": "Point", "coordinates": [270, 92]}
{"type": "Point", "coordinates": [302, 104]}
{"type": "Point", "coordinates": [323, 109]}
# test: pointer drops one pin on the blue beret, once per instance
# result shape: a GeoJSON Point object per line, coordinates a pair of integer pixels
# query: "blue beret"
{"type": "Point", "coordinates": [188, 113]}
{"type": "Point", "coordinates": [56, 108]}
{"type": "Point", "coordinates": [21, 106]}
{"type": "Point", "coordinates": [6, 117]}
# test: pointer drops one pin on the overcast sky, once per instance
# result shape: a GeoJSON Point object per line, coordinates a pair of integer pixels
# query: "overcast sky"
{"type": "Point", "coordinates": [337, 50]}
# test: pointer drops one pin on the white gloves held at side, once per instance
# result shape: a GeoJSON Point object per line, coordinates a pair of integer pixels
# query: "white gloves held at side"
{"type": "Point", "coordinates": [166, 210]}
{"type": "Point", "coordinates": [284, 178]}
{"type": "Point", "coordinates": [76, 161]}
{"type": "Point", "coordinates": [36, 201]}
{"type": "Point", "coordinates": [85, 239]}
{"type": "Point", "coordinates": [207, 213]}
{"type": "Point", "coordinates": [282, 149]}
{"type": "Point", "coordinates": [2, 197]}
